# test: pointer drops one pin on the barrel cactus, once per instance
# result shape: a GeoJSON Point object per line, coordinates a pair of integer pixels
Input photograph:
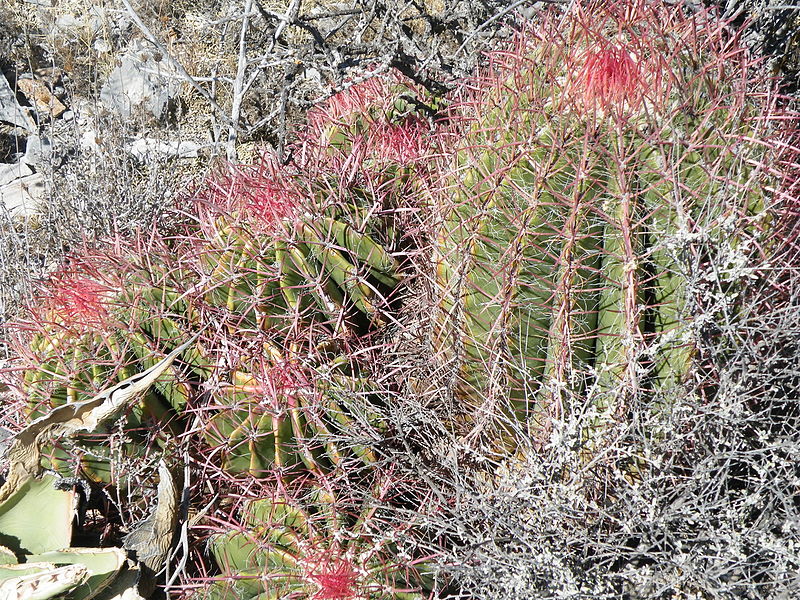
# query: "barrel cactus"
{"type": "Point", "coordinates": [573, 211]}
{"type": "Point", "coordinates": [315, 547]}
{"type": "Point", "coordinates": [289, 419]}
{"type": "Point", "coordinates": [264, 258]}
{"type": "Point", "coordinates": [596, 167]}
{"type": "Point", "coordinates": [294, 303]}
{"type": "Point", "coordinates": [277, 266]}
{"type": "Point", "coordinates": [94, 327]}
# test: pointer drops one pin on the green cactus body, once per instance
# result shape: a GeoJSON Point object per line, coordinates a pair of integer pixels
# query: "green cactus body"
{"type": "Point", "coordinates": [294, 429]}
{"type": "Point", "coordinates": [325, 275]}
{"type": "Point", "coordinates": [563, 254]}
{"type": "Point", "coordinates": [513, 295]}
{"type": "Point", "coordinates": [256, 438]}
{"type": "Point", "coordinates": [50, 386]}
{"type": "Point", "coordinates": [241, 275]}
{"type": "Point", "coordinates": [91, 335]}
{"type": "Point", "coordinates": [310, 549]}
{"type": "Point", "coordinates": [321, 270]}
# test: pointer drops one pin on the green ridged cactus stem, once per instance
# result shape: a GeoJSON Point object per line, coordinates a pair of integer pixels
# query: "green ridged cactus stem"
{"type": "Point", "coordinates": [96, 327]}
{"type": "Point", "coordinates": [267, 261]}
{"type": "Point", "coordinates": [598, 163]}
{"type": "Point", "coordinates": [288, 419]}
{"type": "Point", "coordinates": [314, 548]}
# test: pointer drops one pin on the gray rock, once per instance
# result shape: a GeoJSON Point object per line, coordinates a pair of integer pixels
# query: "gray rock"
{"type": "Point", "coordinates": [38, 151]}
{"type": "Point", "coordinates": [144, 148]}
{"type": "Point", "coordinates": [90, 141]}
{"type": "Point", "coordinates": [10, 110]}
{"type": "Point", "coordinates": [21, 196]}
{"type": "Point", "coordinates": [102, 46]}
{"type": "Point", "coordinates": [143, 79]}
{"type": "Point", "coordinates": [6, 437]}
{"type": "Point", "coordinates": [68, 23]}
{"type": "Point", "coordinates": [11, 172]}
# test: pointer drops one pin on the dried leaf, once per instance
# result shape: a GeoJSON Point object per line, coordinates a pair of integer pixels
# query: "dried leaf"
{"type": "Point", "coordinates": [68, 419]}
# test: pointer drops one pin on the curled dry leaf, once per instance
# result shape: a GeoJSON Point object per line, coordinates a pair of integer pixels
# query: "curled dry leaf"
{"type": "Point", "coordinates": [152, 538]}
{"type": "Point", "coordinates": [66, 420]}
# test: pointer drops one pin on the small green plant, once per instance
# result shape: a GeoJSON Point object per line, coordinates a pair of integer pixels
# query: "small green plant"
{"type": "Point", "coordinates": [37, 513]}
{"type": "Point", "coordinates": [37, 561]}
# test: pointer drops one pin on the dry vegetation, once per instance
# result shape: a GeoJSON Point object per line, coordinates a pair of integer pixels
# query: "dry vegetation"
{"type": "Point", "coordinates": [244, 74]}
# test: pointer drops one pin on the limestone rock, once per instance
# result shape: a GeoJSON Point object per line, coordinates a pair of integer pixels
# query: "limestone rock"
{"type": "Point", "coordinates": [41, 98]}
{"type": "Point", "coordinates": [38, 150]}
{"type": "Point", "coordinates": [144, 148]}
{"type": "Point", "coordinates": [21, 196]}
{"type": "Point", "coordinates": [10, 110]}
{"type": "Point", "coordinates": [145, 79]}
{"type": "Point", "coordinates": [12, 172]}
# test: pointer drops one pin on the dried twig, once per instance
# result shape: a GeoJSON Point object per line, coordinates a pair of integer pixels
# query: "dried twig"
{"type": "Point", "coordinates": [238, 83]}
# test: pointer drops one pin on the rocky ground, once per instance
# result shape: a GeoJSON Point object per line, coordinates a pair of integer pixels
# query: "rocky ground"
{"type": "Point", "coordinates": [111, 109]}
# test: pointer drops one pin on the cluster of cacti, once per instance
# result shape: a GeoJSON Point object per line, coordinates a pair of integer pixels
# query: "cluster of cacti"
{"type": "Point", "coordinates": [256, 269]}
{"type": "Point", "coordinates": [328, 269]}
{"type": "Point", "coordinates": [558, 211]}
{"type": "Point", "coordinates": [314, 547]}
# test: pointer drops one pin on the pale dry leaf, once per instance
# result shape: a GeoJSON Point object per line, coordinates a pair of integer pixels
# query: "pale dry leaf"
{"type": "Point", "coordinates": [68, 419]}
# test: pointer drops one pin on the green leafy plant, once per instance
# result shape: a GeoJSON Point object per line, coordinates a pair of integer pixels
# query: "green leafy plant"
{"type": "Point", "coordinates": [37, 560]}
{"type": "Point", "coordinates": [37, 513]}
